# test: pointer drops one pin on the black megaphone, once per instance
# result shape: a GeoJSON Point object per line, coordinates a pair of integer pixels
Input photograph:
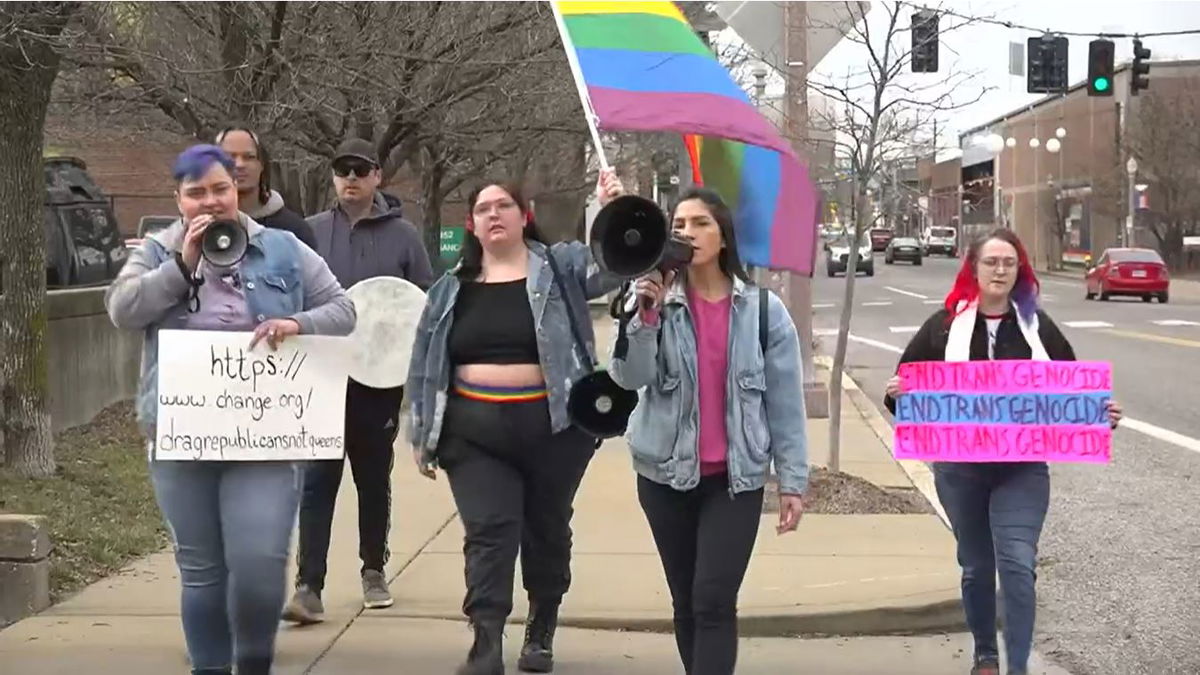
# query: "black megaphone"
{"type": "Point", "coordinates": [224, 243]}
{"type": "Point", "coordinates": [600, 406]}
{"type": "Point", "coordinates": [630, 237]}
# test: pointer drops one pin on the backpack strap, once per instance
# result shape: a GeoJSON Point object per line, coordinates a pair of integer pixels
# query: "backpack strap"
{"type": "Point", "coordinates": [762, 320]}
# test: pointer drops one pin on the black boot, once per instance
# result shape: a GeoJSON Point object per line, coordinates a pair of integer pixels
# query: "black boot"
{"type": "Point", "coordinates": [487, 652]}
{"type": "Point", "coordinates": [537, 656]}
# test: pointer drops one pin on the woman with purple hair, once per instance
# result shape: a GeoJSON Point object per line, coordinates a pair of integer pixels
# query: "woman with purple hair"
{"type": "Point", "coordinates": [996, 509]}
{"type": "Point", "coordinates": [231, 522]}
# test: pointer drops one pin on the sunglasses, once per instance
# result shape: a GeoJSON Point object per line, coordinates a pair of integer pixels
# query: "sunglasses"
{"type": "Point", "coordinates": [360, 170]}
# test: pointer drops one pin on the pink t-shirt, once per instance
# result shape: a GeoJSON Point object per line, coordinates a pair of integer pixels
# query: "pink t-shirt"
{"type": "Point", "coordinates": [712, 359]}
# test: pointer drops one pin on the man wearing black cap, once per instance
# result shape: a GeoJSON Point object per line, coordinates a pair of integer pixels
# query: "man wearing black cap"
{"type": "Point", "coordinates": [361, 237]}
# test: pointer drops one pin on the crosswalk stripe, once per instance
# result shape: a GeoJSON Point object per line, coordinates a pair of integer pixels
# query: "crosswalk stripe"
{"type": "Point", "coordinates": [823, 305]}
{"type": "Point", "coordinates": [1087, 324]}
{"type": "Point", "coordinates": [877, 304]}
{"type": "Point", "coordinates": [904, 329]}
{"type": "Point", "coordinates": [904, 292]}
{"type": "Point", "coordinates": [1175, 322]}
{"type": "Point", "coordinates": [932, 302]}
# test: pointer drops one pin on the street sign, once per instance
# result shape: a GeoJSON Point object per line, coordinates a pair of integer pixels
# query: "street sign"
{"type": "Point", "coordinates": [451, 242]}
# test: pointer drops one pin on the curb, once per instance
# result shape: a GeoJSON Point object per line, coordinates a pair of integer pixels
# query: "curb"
{"type": "Point", "coordinates": [931, 618]}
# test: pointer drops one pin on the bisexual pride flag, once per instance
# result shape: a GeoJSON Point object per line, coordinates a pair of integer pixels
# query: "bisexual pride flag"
{"type": "Point", "coordinates": [645, 69]}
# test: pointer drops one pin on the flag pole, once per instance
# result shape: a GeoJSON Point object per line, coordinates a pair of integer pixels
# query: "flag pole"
{"type": "Point", "coordinates": [589, 113]}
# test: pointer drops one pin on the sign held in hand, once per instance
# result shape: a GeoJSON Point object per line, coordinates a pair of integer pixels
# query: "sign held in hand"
{"type": "Point", "coordinates": [218, 400]}
{"type": "Point", "coordinates": [1004, 411]}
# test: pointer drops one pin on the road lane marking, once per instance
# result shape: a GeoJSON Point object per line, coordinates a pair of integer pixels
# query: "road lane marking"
{"type": "Point", "coordinates": [908, 293]}
{"type": "Point", "coordinates": [825, 332]}
{"type": "Point", "coordinates": [904, 329]}
{"type": "Point", "coordinates": [933, 302]}
{"type": "Point", "coordinates": [1087, 324]}
{"type": "Point", "coordinates": [1145, 428]}
{"type": "Point", "coordinates": [877, 304]}
{"type": "Point", "coordinates": [1178, 342]}
{"type": "Point", "coordinates": [823, 305]}
{"type": "Point", "coordinates": [1175, 322]}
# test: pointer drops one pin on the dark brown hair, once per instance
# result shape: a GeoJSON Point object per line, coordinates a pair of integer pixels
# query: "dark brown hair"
{"type": "Point", "coordinates": [471, 257]}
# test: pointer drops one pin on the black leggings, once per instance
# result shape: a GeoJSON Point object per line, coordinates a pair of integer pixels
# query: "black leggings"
{"type": "Point", "coordinates": [513, 482]}
{"type": "Point", "coordinates": [704, 538]}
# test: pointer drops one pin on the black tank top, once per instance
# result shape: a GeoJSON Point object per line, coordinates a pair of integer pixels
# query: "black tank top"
{"type": "Point", "coordinates": [493, 323]}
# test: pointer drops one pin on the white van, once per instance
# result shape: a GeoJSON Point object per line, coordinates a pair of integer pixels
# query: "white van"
{"type": "Point", "coordinates": [940, 239]}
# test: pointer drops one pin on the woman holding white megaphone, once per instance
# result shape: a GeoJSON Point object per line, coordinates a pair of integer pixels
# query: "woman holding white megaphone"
{"type": "Point", "coordinates": [717, 363]}
{"type": "Point", "coordinates": [996, 509]}
{"type": "Point", "coordinates": [230, 521]}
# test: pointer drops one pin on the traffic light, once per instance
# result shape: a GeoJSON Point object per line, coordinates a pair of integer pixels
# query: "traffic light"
{"type": "Point", "coordinates": [1100, 67]}
{"type": "Point", "coordinates": [1047, 68]}
{"type": "Point", "coordinates": [1137, 72]}
{"type": "Point", "coordinates": [924, 41]}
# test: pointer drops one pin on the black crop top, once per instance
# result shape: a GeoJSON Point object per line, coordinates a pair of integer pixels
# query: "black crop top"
{"type": "Point", "coordinates": [493, 323]}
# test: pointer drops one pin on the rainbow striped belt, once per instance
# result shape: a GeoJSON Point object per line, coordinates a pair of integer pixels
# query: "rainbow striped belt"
{"type": "Point", "coordinates": [491, 394]}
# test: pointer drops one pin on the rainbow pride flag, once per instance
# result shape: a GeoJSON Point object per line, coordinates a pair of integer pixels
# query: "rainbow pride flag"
{"type": "Point", "coordinates": [646, 70]}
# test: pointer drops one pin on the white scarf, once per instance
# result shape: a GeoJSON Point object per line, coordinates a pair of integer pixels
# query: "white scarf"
{"type": "Point", "coordinates": [958, 345]}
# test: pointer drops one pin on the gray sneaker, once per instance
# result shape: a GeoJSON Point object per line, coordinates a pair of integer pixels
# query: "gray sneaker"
{"type": "Point", "coordinates": [305, 607]}
{"type": "Point", "coordinates": [375, 590]}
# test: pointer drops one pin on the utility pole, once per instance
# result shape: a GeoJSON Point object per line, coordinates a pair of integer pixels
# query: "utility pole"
{"type": "Point", "coordinates": [795, 289]}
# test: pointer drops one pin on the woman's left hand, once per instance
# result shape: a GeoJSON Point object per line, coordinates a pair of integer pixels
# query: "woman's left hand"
{"type": "Point", "coordinates": [1115, 413]}
{"type": "Point", "coordinates": [275, 331]}
{"type": "Point", "coordinates": [791, 507]}
{"type": "Point", "coordinates": [609, 187]}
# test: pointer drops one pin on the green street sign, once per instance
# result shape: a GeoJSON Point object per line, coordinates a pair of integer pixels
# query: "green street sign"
{"type": "Point", "coordinates": [451, 242]}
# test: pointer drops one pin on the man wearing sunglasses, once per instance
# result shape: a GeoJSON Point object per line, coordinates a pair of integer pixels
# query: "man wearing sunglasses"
{"type": "Point", "coordinates": [361, 237]}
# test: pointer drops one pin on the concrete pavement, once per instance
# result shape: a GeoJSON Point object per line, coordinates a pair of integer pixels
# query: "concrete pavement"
{"type": "Point", "coordinates": [840, 575]}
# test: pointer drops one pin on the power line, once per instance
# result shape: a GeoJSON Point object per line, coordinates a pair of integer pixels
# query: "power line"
{"type": "Point", "coordinates": [1017, 26]}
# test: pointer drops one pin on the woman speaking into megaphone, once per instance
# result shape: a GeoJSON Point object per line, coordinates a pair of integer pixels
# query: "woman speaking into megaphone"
{"type": "Point", "coordinates": [231, 521]}
{"type": "Point", "coordinates": [718, 365]}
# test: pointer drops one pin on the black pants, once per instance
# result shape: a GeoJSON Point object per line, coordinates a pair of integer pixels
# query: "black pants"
{"type": "Point", "coordinates": [372, 421]}
{"type": "Point", "coordinates": [704, 538]}
{"type": "Point", "coordinates": [513, 482]}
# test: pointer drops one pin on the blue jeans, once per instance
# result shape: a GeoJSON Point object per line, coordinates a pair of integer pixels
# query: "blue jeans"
{"type": "Point", "coordinates": [997, 511]}
{"type": "Point", "coordinates": [231, 523]}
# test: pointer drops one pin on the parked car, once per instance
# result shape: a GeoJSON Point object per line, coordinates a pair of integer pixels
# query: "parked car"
{"type": "Point", "coordinates": [148, 225]}
{"type": "Point", "coordinates": [903, 248]}
{"type": "Point", "coordinates": [940, 240]}
{"type": "Point", "coordinates": [83, 245]}
{"type": "Point", "coordinates": [1129, 271]}
{"type": "Point", "coordinates": [880, 238]}
{"type": "Point", "coordinates": [837, 256]}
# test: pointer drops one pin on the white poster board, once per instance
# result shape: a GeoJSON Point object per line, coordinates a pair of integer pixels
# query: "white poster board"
{"type": "Point", "coordinates": [218, 400]}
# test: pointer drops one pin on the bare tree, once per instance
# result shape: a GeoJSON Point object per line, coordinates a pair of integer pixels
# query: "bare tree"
{"type": "Point", "coordinates": [1166, 140]}
{"type": "Point", "coordinates": [880, 114]}
{"type": "Point", "coordinates": [30, 33]}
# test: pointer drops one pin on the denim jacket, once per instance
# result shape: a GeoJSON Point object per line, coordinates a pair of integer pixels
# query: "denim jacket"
{"type": "Point", "coordinates": [283, 278]}
{"type": "Point", "coordinates": [765, 399]}
{"type": "Point", "coordinates": [429, 370]}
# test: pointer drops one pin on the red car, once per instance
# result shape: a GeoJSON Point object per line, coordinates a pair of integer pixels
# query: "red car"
{"type": "Point", "coordinates": [1129, 271]}
{"type": "Point", "coordinates": [880, 238]}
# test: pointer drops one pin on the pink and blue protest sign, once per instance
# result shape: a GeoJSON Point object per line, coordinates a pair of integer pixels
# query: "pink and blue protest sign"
{"type": "Point", "coordinates": [1004, 411]}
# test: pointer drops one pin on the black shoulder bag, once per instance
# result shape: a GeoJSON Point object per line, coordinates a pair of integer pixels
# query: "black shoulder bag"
{"type": "Point", "coordinates": [596, 404]}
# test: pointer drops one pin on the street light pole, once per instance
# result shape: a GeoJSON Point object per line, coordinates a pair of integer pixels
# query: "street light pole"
{"type": "Point", "coordinates": [1131, 168]}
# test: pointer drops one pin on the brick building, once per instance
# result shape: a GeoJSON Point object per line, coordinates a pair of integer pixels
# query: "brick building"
{"type": "Point", "coordinates": [1059, 178]}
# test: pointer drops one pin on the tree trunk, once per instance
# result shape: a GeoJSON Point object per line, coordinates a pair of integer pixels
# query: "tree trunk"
{"type": "Point", "coordinates": [431, 212]}
{"type": "Point", "coordinates": [843, 337]}
{"type": "Point", "coordinates": [28, 66]}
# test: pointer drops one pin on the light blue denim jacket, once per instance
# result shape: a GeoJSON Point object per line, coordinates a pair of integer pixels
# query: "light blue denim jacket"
{"type": "Point", "coordinates": [429, 370]}
{"type": "Point", "coordinates": [283, 278]}
{"type": "Point", "coordinates": [765, 398]}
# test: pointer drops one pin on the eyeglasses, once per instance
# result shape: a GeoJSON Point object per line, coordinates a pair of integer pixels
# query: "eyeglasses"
{"type": "Point", "coordinates": [992, 262]}
{"type": "Point", "coordinates": [484, 208]}
{"type": "Point", "coordinates": [360, 170]}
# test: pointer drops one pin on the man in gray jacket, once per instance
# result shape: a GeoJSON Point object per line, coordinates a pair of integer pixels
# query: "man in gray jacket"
{"type": "Point", "coordinates": [361, 237]}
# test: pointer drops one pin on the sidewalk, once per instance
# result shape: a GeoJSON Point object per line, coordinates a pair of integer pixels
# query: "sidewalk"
{"type": "Point", "coordinates": [838, 575]}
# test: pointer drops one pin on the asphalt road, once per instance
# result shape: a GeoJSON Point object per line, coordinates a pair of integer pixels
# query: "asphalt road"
{"type": "Point", "coordinates": [1119, 586]}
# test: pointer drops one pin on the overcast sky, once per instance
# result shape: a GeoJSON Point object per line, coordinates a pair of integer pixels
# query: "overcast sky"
{"type": "Point", "coordinates": [984, 48]}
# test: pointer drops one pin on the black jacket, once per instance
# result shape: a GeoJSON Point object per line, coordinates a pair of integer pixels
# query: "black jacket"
{"type": "Point", "coordinates": [929, 344]}
{"type": "Point", "coordinates": [276, 216]}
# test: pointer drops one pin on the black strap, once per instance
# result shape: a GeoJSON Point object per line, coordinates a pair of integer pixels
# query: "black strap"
{"type": "Point", "coordinates": [562, 290]}
{"type": "Point", "coordinates": [762, 320]}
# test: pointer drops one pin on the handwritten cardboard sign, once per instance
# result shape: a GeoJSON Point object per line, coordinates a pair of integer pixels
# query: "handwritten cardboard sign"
{"type": "Point", "coordinates": [218, 400]}
{"type": "Point", "coordinates": [1004, 411]}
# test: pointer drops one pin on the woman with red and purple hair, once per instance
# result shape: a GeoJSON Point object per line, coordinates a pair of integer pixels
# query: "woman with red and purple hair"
{"type": "Point", "coordinates": [996, 509]}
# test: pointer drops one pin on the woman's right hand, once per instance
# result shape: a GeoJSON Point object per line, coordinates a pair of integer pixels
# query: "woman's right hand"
{"type": "Point", "coordinates": [193, 238]}
{"type": "Point", "coordinates": [427, 469]}
{"type": "Point", "coordinates": [651, 290]}
{"type": "Point", "coordinates": [893, 387]}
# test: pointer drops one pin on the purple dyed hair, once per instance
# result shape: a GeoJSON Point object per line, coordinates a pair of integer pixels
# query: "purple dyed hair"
{"type": "Point", "coordinates": [194, 162]}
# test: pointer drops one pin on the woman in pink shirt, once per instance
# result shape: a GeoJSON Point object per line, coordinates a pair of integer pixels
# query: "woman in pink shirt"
{"type": "Point", "coordinates": [717, 363]}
